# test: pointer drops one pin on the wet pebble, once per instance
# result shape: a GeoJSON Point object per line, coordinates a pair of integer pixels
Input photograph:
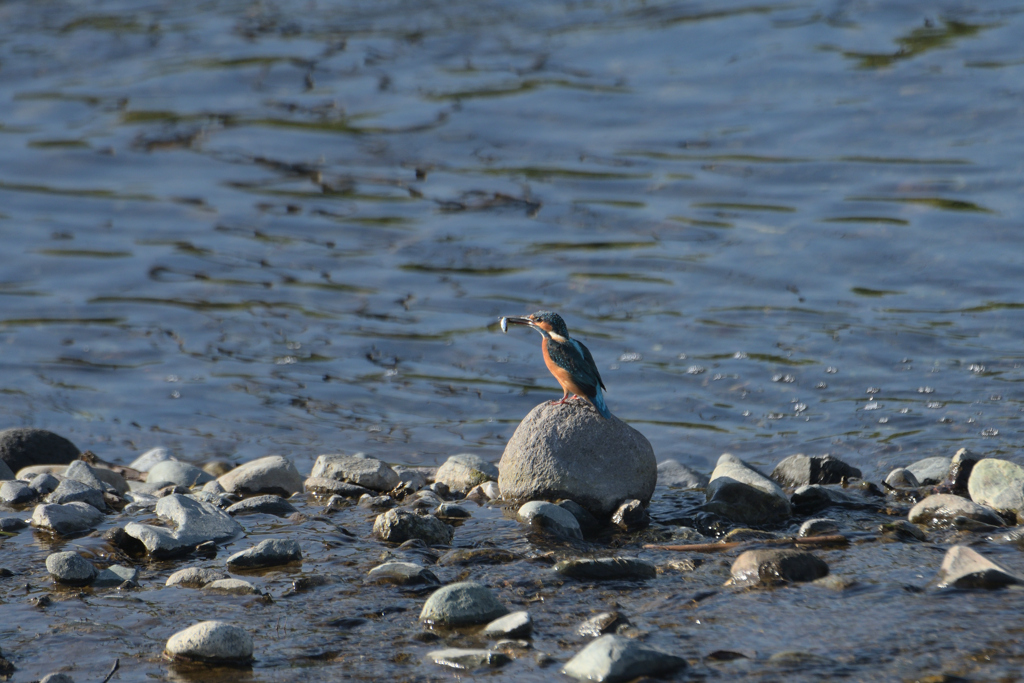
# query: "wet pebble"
{"type": "Point", "coordinates": [815, 497]}
{"type": "Point", "coordinates": [607, 569]}
{"type": "Point", "coordinates": [11, 524]}
{"type": "Point", "coordinates": [94, 477]}
{"type": "Point", "coordinates": [265, 505]}
{"type": "Point", "coordinates": [468, 659]}
{"type": "Point", "coordinates": [17, 493]}
{"type": "Point", "coordinates": [115, 575]}
{"type": "Point", "coordinates": [44, 483]}
{"type": "Point", "coordinates": [742, 494]}
{"type": "Point", "coordinates": [464, 471]}
{"type": "Point", "coordinates": [460, 604]}
{"type": "Point", "coordinates": [269, 553]}
{"type": "Point", "coordinates": [412, 478]}
{"type": "Point", "coordinates": [359, 469]}
{"type": "Point", "coordinates": [902, 478]}
{"type": "Point", "coordinates": [397, 526]}
{"type": "Point", "coordinates": [772, 565]}
{"type": "Point", "coordinates": [550, 518]}
{"type": "Point", "coordinates": [451, 511]}
{"type": "Point", "coordinates": [71, 491]}
{"type": "Point", "coordinates": [231, 585]}
{"type": "Point", "coordinates": [195, 523]}
{"type": "Point", "coordinates": [145, 462]}
{"type": "Point", "coordinates": [631, 516]}
{"type": "Point", "coordinates": [212, 641]}
{"type": "Point", "coordinates": [402, 574]}
{"type": "Point", "coordinates": [195, 577]}
{"type": "Point", "coordinates": [513, 625]}
{"type": "Point", "coordinates": [674, 474]}
{"type": "Point", "coordinates": [942, 508]}
{"type": "Point", "coordinates": [802, 470]}
{"type": "Point", "coordinates": [70, 568]}
{"type": "Point", "coordinates": [273, 474]}
{"type": "Point", "coordinates": [323, 486]}
{"type": "Point", "coordinates": [902, 530]}
{"type": "Point", "coordinates": [175, 472]}
{"type": "Point", "coordinates": [476, 556]}
{"type": "Point", "coordinates": [930, 471]}
{"type": "Point", "coordinates": [66, 519]}
{"type": "Point", "coordinates": [599, 624]}
{"type": "Point", "coordinates": [998, 484]}
{"type": "Point", "coordinates": [818, 527]}
{"type": "Point", "coordinates": [613, 658]}
{"type": "Point", "coordinates": [376, 502]}
{"type": "Point", "coordinates": [963, 567]}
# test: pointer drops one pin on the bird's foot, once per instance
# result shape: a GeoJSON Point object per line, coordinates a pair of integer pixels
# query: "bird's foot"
{"type": "Point", "coordinates": [560, 401]}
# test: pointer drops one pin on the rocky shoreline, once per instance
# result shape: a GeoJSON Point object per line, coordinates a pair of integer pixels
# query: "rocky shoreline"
{"type": "Point", "coordinates": [428, 537]}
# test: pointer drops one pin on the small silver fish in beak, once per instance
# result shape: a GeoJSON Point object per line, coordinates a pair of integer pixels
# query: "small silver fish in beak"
{"type": "Point", "coordinates": [504, 324]}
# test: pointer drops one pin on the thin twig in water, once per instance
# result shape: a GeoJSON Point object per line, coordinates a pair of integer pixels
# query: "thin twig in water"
{"type": "Point", "coordinates": [836, 539]}
{"type": "Point", "coordinates": [113, 669]}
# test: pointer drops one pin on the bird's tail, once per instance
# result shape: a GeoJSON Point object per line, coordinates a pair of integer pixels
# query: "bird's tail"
{"type": "Point", "coordinates": [601, 406]}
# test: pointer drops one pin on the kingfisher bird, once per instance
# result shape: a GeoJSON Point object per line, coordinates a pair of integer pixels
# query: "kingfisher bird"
{"type": "Point", "coordinates": [567, 359]}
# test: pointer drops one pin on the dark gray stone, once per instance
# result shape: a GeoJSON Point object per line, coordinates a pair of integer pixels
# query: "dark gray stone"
{"type": "Point", "coordinates": [963, 567]}
{"type": "Point", "coordinates": [464, 471]}
{"type": "Point", "coordinates": [742, 494]}
{"type": "Point", "coordinates": [462, 604]}
{"type": "Point", "coordinates": [273, 474]}
{"type": "Point", "coordinates": [613, 659]}
{"type": "Point", "coordinates": [942, 508]}
{"type": "Point", "coordinates": [674, 474]}
{"type": "Point", "coordinates": [71, 491]}
{"type": "Point", "coordinates": [569, 451]}
{"type": "Point", "coordinates": [270, 553]}
{"type": "Point", "coordinates": [356, 469]}
{"type": "Point", "coordinates": [17, 493]}
{"type": "Point", "coordinates": [71, 569]}
{"type": "Point", "coordinates": [770, 566]}
{"type": "Point", "coordinates": [21, 447]}
{"type": "Point", "coordinates": [12, 524]}
{"type": "Point", "coordinates": [818, 527]}
{"type": "Point", "coordinates": [550, 518]}
{"type": "Point", "coordinates": [588, 522]}
{"type": "Point", "coordinates": [264, 505]}
{"type": "Point", "coordinates": [398, 526]}
{"type": "Point", "coordinates": [321, 486]}
{"type": "Point", "coordinates": [195, 522]}
{"type": "Point", "coordinates": [607, 569]}
{"type": "Point", "coordinates": [212, 642]}
{"type": "Point", "coordinates": [451, 511]}
{"type": "Point", "coordinates": [70, 518]}
{"type": "Point", "coordinates": [631, 516]}
{"type": "Point", "coordinates": [810, 499]}
{"type": "Point", "coordinates": [44, 483]}
{"type": "Point", "coordinates": [402, 574]}
{"type": "Point", "coordinates": [802, 470]}
{"type": "Point", "coordinates": [468, 557]}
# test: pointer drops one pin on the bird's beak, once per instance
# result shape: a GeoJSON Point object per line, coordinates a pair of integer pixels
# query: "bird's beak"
{"type": "Point", "coordinates": [515, 320]}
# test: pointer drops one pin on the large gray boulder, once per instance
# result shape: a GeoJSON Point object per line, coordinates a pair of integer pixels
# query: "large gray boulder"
{"type": "Point", "coordinates": [195, 522]}
{"type": "Point", "coordinates": [272, 474]}
{"type": "Point", "coordinates": [741, 493]}
{"type": "Point", "coordinates": [23, 447]}
{"type": "Point", "coordinates": [998, 484]}
{"type": "Point", "coordinates": [569, 451]}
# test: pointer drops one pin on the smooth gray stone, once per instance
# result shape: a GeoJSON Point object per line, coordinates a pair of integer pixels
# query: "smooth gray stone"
{"type": "Point", "coordinates": [902, 530]}
{"type": "Point", "coordinates": [461, 604]}
{"type": "Point", "coordinates": [674, 474]}
{"type": "Point", "coordinates": [569, 451]}
{"type": "Point", "coordinates": [211, 641]}
{"type": "Point", "coordinates": [942, 508]}
{"type": "Point", "coordinates": [44, 483]}
{"type": "Point", "coordinates": [550, 518]}
{"type": "Point", "coordinates": [818, 527]}
{"type": "Point", "coordinates": [176, 472]}
{"type": "Point", "coordinates": [413, 478]}
{"type": "Point", "coordinates": [429, 498]}
{"type": "Point", "coordinates": [23, 447]}
{"type": "Point", "coordinates": [468, 659]}
{"type": "Point", "coordinates": [816, 497]}
{"type": "Point", "coordinates": [931, 471]}
{"type": "Point", "coordinates": [145, 462]}
{"type": "Point", "coordinates": [357, 469]}
{"type": "Point", "coordinates": [17, 493]}
{"type": "Point", "coordinates": [802, 470]}
{"type": "Point", "coordinates": [514, 625]}
{"type": "Point", "coordinates": [71, 491]}
{"type": "Point", "coordinates": [612, 659]}
{"type": "Point", "coordinates": [607, 569]}
{"type": "Point", "coordinates": [115, 575]}
{"type": "Point", "coordinates": [269, 553]}
{"type": "Point", "coordinates": [462, 472]}
{"type": "Point", "coordinates": [195, 577]}
{"type": "Point", "coordinates": [331, 487]}
{"type": "Point", "coordinates": [376, 502]}
{"type": "Point", "coordinates": [213, 486]}
{"type": "Point", "coordinates": [80, 471]}
{"type": "Point", "coordinates": [195, 523]}
{"type": "Point", "coordinates": [398, 526]}
{"type": "Point", "coordinates": [66, 519]}
{"type": "Point", "coordinates": [998, 484]}
{"type": "Point", "coordinates": [902, 478]}
{"type": "Point", "coordinates": [770, 565]}
{"type": "Point", "coordinates": [230, 585]}
{"type": "Point", "coordinates": [266, 505]}
{"type": "Point", "coordinates": [272, 474]}
{"type": "Point", "coordinates": [469, 557]}
{"type": "Point", "coordinates": [71, 568]}
{"type": "Point", "coordinates": [11, 524]}
{"type": "Point", "coordinates": [451, 511]}
{"type": "Point", "coordinates": [402, 574]}
{"type": "Point", "coordinates": [742, 494]}
{"type": "Point", "coordinates": [963, 567]}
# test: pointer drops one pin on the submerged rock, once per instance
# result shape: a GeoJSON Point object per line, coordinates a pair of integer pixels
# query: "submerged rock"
{"type": "Point", "coordinates": [943, 508]}
{"type": "Point", "coordinates": [265, 505]}
{"type": "Point", "coordinates": [550, 518]}
{"type": "Point", "coordinates": [513, 625]}
{"type": "Point", "coordinates": [607, 569]}
{"type": "Point", "coordinates": [466, 557]}
{"type": "Point", "coordinates": [195, 523]}
{"type": "Point", "coordinates": [930, 471]}
{"type": "Point", "coordinates": [402, 574]}
{"type": "Point", "coordinates": [810, 499]}
{"type": "Point", "coordinates": [612, 658]}
{"type": "Point", "coordinates": [674, 474]}
{"type": "Point", "coordinates": [70, 518]}
{"type": "Point", "coordinates": [398, 526]}
{"type": "Point", "coordinates": [214, 642]}
{"type": "Point", "coordinates": [24, 447]}
{"type": "Point", "coordinates": [71, 569]}
{"type": "Point", "coordinates": [270, 553]}
{"type": "Point", "coordinates": [599, 624]}
{"type": "Point", "coordinates": [569, 451]}
{"type": "Point", "coordinates": [771, 565]}
{"type": "Point", "coordinates": [742, 494]}
{"type": "Point", "coordinates": [461, 604]}
{"type": "Point", "coordinates": [273, 474]}
{"type": "Point", "coordinates": [464, 471]}
{"type": "Point", "coordinates": [802, 470]}
{"type": "Point", "coordinates": [998, 484]}
{"type": "Point", "coordinates": [468, 659]}
{"type": "Point", "coordinates": [358, 469]}
{"type": "Point", "coordinates": [962, 567]}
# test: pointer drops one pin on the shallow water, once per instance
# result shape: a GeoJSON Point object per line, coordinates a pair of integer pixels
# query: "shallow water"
{"type": "Point", "coordinates": [242, 228]}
